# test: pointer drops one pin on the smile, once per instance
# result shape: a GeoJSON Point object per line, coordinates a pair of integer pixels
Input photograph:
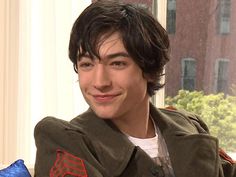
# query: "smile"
{"type": "Point", "coordinates": [104, 98]}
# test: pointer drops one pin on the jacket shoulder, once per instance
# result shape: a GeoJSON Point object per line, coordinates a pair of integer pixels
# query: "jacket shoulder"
{"type": "Point", "coordinates": [52, 125]}
{"type": "Point", "coordinates": [52, 132]}
{"type": "Point", "coordinates": [53, 135]}
{"type": "Point", "coordinates": [191, 117]}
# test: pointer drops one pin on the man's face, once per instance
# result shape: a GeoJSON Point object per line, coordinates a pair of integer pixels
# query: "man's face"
{"type": "Point", "coordinates": [114, 86]}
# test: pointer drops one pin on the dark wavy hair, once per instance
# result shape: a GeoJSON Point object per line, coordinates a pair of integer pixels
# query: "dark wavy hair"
{"type": "Point", "coordinates": [143, 37]}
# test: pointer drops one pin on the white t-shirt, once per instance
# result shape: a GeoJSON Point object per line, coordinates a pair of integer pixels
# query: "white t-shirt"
{"type": "Point", "coordinates": [149, 145]}
{"type": "Point", "coordinates": [156, 148]}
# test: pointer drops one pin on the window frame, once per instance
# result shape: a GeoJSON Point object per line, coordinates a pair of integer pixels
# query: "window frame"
{"type": "Point", "coordinates": [224, 13]}
{"type": "Point", "coordinates": [216, 75]}
{"type": "Point", "coordinates": [171, 17]}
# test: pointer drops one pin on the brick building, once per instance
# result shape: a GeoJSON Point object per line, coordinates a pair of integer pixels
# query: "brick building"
{"type": "Point", "coordinates": [203, 48]}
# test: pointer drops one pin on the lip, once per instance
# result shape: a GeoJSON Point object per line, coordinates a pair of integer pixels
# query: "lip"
{"type": "Point", "coordinates": [105, 98]}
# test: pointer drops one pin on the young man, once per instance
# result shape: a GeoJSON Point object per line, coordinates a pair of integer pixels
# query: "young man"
{"type": "Point", "coordinates": [119, 51]}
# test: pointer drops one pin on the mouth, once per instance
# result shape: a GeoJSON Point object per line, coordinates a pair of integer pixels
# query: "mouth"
{"type": "Point", "coordinates": [105, 98]}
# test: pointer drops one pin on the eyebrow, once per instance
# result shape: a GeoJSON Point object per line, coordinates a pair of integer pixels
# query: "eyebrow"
{"type": "Point", "coordinates": [109, 56]}
{"type": "Point", "coordinates": [118, 54]}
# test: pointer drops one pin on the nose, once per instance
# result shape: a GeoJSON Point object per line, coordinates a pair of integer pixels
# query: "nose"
{"type": "Point", "coordinates": [101, 78]}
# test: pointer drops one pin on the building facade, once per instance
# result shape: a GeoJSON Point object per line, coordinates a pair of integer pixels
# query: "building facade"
{"type": "Point", "coordinates": [203, 50]}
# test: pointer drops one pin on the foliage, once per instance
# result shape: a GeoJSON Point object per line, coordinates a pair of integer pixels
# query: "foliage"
{"type": "Point", "coordinates": [217, 111]}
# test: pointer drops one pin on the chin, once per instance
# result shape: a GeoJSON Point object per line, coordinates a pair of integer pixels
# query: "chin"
{"type": "Point", "coordinates": [104, 116]}
{"type": "Point", "coordinates": [104, 112]}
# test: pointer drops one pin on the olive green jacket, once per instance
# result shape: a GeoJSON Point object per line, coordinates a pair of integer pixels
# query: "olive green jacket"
{"type": "Point", "coordinates": [96, 148]}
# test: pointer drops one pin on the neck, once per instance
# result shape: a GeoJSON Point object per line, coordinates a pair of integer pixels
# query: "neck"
{"type": "Point", "coordinates": [138, 123]}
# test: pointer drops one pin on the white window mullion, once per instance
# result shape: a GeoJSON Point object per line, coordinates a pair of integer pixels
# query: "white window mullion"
{"type": "Point", "coordinates": [159, 97]}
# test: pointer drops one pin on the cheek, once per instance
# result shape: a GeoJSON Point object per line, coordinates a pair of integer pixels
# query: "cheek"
{"type": "Point", "coordinates": [137, 86]}
{"type": "Point", "coordinates": [83, 81]}
{"type": "Point", "coordinates": [135, 80]}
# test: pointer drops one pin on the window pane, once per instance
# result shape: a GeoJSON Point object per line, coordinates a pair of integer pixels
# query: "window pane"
{"type": "Point", "coordinates": [171, 16]}
{"type": "Point", "coordinates": [222, 75]}
{"type": "Point", "coordinates": [224, 9]}
{"type": "Point", "coordinates": [188, 74]}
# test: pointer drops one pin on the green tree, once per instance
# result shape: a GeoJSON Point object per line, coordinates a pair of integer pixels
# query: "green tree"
{"type": "Point", "coordinates": [217, 111]}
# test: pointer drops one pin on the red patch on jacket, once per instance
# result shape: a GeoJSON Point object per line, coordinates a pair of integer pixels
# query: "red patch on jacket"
{"type": "Point", "coordinates": [68, 164]}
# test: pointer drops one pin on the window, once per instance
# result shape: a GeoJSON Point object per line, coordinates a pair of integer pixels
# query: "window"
{"type": "Point", "coordinates": [188, 73]}
{"type": "Point", "coordinates": [171, 16]}
{"type": "Point", "coordinates": [224, 16]}
{"type": "Point", "coordinates": [209, 75]}
{"type": "Point", "coordinates": [221, 75]}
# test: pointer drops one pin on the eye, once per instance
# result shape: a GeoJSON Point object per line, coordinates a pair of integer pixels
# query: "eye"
{"type": "Point", "coordinates": [118, 64]}
{"type": "Point", "coordinates": [85, 66]}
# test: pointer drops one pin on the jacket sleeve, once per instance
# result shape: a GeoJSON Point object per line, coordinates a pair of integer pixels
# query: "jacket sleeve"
{"type": "Point", "coordinates": [64, 149]}
{"type": "Point", "coordinates": [227, 166]}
